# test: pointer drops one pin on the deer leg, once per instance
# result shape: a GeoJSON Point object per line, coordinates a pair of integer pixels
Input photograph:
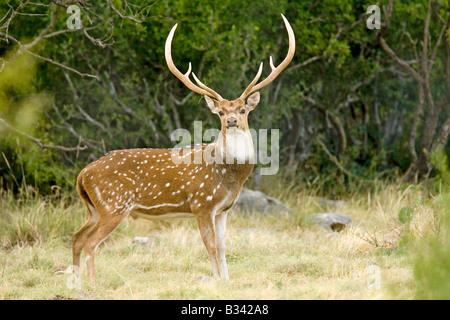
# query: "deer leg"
{"type": "Point", "coordinates": [221, 221]}
{"type": "Point", "coordinates": [206, 226]}
{"type": "Point", "coordinates": [79, 239]}
{"type": "Point", "coordinates": [99, 232]}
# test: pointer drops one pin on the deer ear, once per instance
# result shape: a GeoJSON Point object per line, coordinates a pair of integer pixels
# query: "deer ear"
{"type": "Point", "coordinates": [211, 104]}
{"type": "Point", "coordinates": [253, 101]}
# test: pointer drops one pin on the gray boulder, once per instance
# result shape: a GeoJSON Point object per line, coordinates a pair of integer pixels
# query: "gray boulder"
{"type": "Point", "coordinates": [330, 221]}
{"type": "Point", "coordinates": [251, 201]}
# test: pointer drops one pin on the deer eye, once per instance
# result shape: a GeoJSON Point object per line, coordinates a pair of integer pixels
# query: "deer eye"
{"type": "Point", "coordinates": [220, 113]}
{"type": "Point", "coordinates": [242, 111]}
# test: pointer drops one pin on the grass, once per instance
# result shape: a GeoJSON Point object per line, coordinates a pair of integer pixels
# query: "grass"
{"type": "Point", "coordinates": [269, 257]}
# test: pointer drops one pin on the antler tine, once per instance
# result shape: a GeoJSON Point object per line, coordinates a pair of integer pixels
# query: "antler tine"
{"type": "Point", "coordinates": [272, 66]}
{"type": "Point", "coordinates": [275, 70]}
{"type": "Point", "coordinates": [204, 87]}
{"type": "Point", "coordinates": [185, 77]}
{"type": "Point", "coordinates": [189, 70]}
{"type": "Point", "coordinates": [252, 84]}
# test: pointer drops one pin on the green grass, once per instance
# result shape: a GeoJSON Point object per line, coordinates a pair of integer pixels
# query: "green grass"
{"type": "Point", "coordinates": [269, 257]}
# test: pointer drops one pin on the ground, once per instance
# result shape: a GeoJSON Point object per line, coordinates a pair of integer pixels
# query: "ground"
{"type": "Point", "coordinates": [274, 256]}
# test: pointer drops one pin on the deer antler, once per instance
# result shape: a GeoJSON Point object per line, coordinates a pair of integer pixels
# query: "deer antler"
{"type": "Point", "coordinates": [275, 70]}
{"type": "Point", "coordinates": [201, 88]}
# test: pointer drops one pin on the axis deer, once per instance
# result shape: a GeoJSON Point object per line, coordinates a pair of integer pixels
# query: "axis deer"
{"type": "Point", "coordinates": [156, 184]}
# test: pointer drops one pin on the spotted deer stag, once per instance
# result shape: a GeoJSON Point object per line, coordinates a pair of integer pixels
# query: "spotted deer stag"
{"type": "Point", "coordinates": [160, 183]}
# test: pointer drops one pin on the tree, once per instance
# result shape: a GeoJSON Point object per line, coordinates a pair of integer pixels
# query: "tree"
{"type": "Point", "coordinates": [347, 110]}
{"type": "Point", "coordinates": [426, 57]}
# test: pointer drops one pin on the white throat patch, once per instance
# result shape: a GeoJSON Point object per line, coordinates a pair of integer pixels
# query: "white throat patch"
{"type": "Point", "coordinates": [239, 146]}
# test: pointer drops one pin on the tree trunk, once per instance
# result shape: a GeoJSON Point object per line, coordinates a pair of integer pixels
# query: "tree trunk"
{"type": "Point", "coordinates": [421, 166]}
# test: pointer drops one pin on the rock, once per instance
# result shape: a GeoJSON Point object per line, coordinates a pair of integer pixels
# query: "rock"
{"type": "Point", "coordinates": [204, 279]}
{"type": "Point", "coordinates": [334, 221]}
{"type": "Point", "coordinates": [251, 200]}
{"type": "Point", "coordinates": [141, 240]}
{"type": "Point", "coordinates": [6, 247]}
{"type": "Point", "coordinates": [60, 297]}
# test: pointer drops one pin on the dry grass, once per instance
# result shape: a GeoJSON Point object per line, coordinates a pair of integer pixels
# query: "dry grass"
{"type": "Point", "coordinates": [269, 257]}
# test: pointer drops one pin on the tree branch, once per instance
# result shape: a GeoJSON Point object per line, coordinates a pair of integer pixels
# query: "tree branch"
{"type": "Point", "coordinates": [43, 33]}
{"type": "Point", "coordinates": [120, 13]}
{"type": "Point", "coordinates": [22, 48]}
{"type": "Point", "coordinates": [335, 160]}
{"type": "Point", "coordinates": [81, 74]}
{"type": "Point", "coordinates": [401, 62]}
{"type": "Point", "coordinates": [415, 125]}
{"type": "Point", "coordinates": [79, 146]}
{"type": "Point", "coordinates": [304, 63]}
{"type": "Point", "coordinates": [391, 52]}
{"type": "Point", "coordinates": [442, 136]}
{"type": "Point", "coordinates": [336, 123]}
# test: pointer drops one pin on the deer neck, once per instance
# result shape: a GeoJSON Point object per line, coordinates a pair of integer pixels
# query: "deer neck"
{"type": "Point", "coordinates": [234, 146]}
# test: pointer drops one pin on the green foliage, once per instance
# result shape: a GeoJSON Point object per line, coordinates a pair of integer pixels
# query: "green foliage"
{"type": "Point", "coordinates": [22, 165]}
{"type": "Point", "coordinates": [29, 219]}
{"type": "Point", "coordinates": [136, 102]}
{"type": "Point", "coordinates": [405, 215]}
{"type": "Point", "coordinates": [432, 257]}
{"type": "Point", "coordinates": [439, 160]}
{"type": "Point", "coordinates": [23, 106]}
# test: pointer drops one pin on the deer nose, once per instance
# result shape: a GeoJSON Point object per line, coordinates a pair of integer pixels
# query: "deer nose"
{"type": "Point", "coordinates": [231, 122]}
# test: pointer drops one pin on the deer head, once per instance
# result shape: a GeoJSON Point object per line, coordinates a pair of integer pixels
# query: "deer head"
{"type": "Point", "coordinates": [233, 114]}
